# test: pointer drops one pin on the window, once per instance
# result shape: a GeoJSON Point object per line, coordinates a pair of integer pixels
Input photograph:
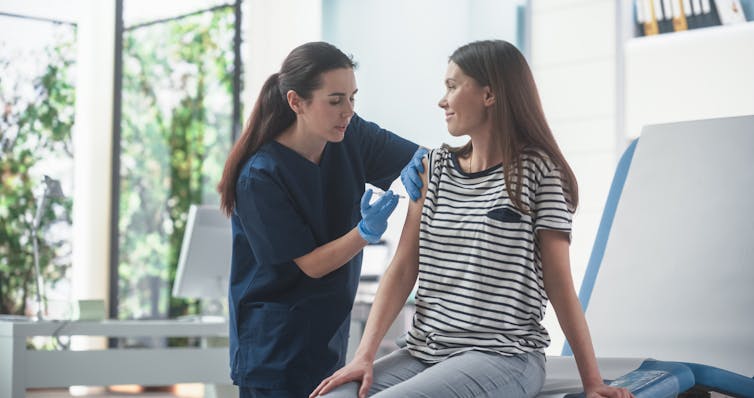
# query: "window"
{"type": "Point", "coordinates": [36, 121]}
{"type": "Point", "coordinates": [178, 114]}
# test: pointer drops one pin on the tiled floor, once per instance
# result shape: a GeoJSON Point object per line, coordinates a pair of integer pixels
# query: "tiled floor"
{"type": "Point", "coordinates": [63, 393]}
{"type": "Point", "coordinates": [108, 394]}
{"type": "Point", "coordinates": [102, 393]}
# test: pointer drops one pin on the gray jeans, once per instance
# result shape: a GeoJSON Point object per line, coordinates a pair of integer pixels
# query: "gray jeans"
{"type": "Point", "coordinates": [470, 374]}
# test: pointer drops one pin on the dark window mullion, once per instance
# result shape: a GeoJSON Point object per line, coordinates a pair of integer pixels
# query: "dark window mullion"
{"type": "Point", "coordinates": [236, 122]}
{"type": "Point", "coordinates": [115, 175]}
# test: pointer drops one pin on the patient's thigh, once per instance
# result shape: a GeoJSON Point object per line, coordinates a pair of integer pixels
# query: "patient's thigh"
{"type": "Point", "coordinates": [348, 390]}
{"type": "Point", "coordinates": [475, 374]}
{"type": "Point", "coordinates": [389, 370]}
{"type": "Point", "coordinates": [397, 367]}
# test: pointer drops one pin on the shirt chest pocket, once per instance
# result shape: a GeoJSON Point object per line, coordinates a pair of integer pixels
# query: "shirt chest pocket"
{"type": "Point", "coordinates": [504, 214]}
{"type": "Point", "coordinates": [508, 226]}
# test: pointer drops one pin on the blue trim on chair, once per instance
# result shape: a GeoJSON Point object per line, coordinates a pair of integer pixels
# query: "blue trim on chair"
{"type": "Point", "coordinates": [603, 232]}
{"type": "Point", "coordinates": [682, 374]}
{"type": "Point", "coordinates": [721, 380]}
{"type": "Point", "coordinates": [653, 379]}
{"type": "Point", "coordinates": [667, 379]}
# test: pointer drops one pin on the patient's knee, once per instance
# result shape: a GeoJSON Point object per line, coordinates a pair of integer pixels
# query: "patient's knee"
{"type": "Point", "coordinates": [348, 390]}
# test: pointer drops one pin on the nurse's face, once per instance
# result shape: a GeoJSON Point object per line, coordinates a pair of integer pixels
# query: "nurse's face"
{"type": "Point", "coordinates": [465, 103]}
{"type": "Point", "coordinates": [330, 108]}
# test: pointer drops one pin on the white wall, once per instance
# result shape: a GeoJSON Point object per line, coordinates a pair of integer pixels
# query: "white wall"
{"type": "Point", "coordinates": [271, 29]}
{"type": "Point", "coordinates": [699, 74]}
{"type": "Point", "coordinates": [573, 45]}
{"type": "Point", "coordinates": [92, 140]}
{"type": "Point", "coordinates": [402, 49]}
{"type": "Point", "coordinates": [600, 87]}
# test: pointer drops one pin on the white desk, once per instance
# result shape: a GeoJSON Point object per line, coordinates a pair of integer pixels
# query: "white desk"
{"type": "Point", "coordinates": [21, 368]}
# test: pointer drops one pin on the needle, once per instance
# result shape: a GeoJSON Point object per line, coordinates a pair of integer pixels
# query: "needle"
{"type": "Point", "coordinates": [380, 193]}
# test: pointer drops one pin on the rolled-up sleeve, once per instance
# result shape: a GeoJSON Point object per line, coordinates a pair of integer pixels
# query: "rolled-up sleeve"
{"type": "Point", "coordinates": [550, 206]}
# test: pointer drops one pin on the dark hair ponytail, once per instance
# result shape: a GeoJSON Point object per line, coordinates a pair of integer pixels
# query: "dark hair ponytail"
{"type": "Point", "coordinates": [301, 72]}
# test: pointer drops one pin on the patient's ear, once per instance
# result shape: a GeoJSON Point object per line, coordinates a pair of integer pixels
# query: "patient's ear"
{"type": "Point", "coordinates": [489, 96]}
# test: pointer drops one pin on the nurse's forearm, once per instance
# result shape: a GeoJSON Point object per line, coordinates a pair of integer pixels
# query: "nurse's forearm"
{"type": "Point", "coordinates": [331, 256]}
{"type": "Point", "coordinates": [396, 284]}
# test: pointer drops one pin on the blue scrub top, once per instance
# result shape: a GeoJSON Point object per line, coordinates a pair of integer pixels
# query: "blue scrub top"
{"type": "Point", "coordinates": [287, 330]}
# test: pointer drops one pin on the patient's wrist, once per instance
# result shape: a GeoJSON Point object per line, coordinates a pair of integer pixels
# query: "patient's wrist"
{"type": "Point", "coordinates": [592, 383]}
{"type": "Point", "coordinates": [364, 355]}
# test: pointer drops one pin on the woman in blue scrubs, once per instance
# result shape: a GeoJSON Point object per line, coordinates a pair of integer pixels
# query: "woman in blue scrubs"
{"type": "Point", "coordinates": [293, 186]}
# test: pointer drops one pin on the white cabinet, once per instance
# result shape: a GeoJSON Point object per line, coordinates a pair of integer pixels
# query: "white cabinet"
{"type": "Point", "coordinates": [695, 74]}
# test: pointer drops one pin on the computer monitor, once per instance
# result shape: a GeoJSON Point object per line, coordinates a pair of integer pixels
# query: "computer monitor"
{"type": "Point", "coordinates": [204, 262]}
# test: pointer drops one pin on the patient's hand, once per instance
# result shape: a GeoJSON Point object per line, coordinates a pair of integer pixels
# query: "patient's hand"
{"type": "Point", "coordinates": [359, 369]}
{"type": "Point", "coordinates": [605, 391]}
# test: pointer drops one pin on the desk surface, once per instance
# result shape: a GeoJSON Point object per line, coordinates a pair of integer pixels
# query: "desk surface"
{"type": "Point", "coordinates": [21, 368]}
{"type": "Point", "coordinates": [114, 328]}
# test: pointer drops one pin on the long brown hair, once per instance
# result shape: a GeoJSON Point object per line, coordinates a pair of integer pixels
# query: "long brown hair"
{"type": "Point", "coordinates": [301, 72]}
{"type": "Point", "coordinates": [517, 114]}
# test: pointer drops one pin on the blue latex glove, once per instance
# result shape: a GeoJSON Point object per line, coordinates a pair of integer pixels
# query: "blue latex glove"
{"type": "Point", "coordinates": [411, 174]}
{"type": "Point", "coordinates": [374, 216]}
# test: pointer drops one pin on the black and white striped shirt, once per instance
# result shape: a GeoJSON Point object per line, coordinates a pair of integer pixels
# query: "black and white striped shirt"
{"type": "Point", "coordinates": [480, 273]}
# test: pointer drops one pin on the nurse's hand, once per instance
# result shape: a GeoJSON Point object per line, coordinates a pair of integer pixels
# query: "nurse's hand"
{"type": "Point", "coordinates": [411, 174]}
{"type": "Point", "coordinates": [359, 370]}
{"type": "Point", "coordinates": [374, 216]}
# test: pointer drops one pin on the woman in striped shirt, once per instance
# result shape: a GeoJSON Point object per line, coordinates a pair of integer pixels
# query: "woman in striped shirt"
{"type": "Point", "coordinates": [488, 242]}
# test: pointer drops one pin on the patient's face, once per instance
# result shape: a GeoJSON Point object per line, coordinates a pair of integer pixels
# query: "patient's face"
{"type": "Point", "coordinates": [463, 103]}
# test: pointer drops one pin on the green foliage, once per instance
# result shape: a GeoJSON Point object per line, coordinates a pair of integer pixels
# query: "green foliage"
{"type": "Point", "coordinates": [176, 132]}
{"type": "Point", "coordinates": [35, 125]}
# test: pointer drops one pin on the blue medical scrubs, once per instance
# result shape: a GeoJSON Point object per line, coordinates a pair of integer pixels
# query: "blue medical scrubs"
{"type": "Point", "coordinates": [289, 331]}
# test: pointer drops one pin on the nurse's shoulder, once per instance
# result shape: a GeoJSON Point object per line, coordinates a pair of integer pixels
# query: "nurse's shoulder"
{"type": "Point", "coordinates": [262, 161]}
{"type": "Point", "coordinates": [359, 125]}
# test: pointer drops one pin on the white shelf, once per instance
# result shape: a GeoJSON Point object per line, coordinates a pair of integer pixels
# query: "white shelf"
{"type": "Point", "coordinates": [696, 74]}
{"type": "Point", "coordinates": [692, 34]}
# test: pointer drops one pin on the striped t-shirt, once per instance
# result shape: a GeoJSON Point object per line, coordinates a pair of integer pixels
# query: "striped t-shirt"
{"type": "Point", "coordinates": [480, 272]}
